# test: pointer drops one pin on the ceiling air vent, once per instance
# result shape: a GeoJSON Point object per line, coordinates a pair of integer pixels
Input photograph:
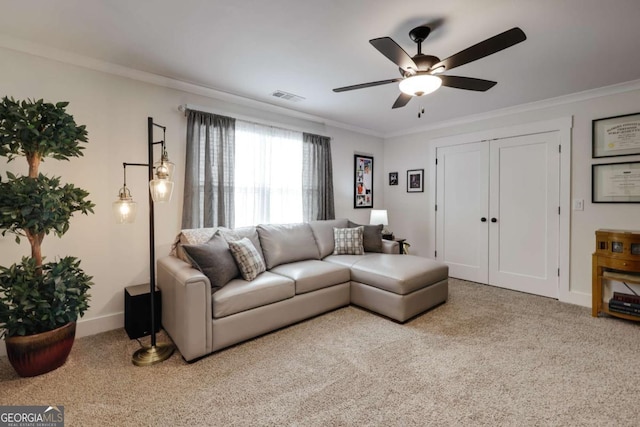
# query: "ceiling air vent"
{"type": "Point", "coordinates": [287, 96]}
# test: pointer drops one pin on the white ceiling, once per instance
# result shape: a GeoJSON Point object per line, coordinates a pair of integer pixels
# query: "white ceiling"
{"type": "Point", "coordinates": [251, 48]}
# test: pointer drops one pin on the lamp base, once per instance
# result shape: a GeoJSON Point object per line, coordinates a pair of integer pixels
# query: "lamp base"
{"type": "Point", "coordinates": [147, 356]}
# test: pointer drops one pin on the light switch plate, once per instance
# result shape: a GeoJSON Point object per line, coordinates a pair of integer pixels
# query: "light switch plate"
{"type": "Point", "coordinates": [578, 204]}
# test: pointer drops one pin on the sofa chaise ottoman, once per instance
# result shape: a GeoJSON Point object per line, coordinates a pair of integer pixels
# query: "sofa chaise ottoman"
{"type": "Point", "coordinates": [305, 275]}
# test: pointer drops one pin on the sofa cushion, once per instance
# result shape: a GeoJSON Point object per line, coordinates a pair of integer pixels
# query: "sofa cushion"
{"type": "Point", "coordinates": [239, 295]}
{"type": "Point", "coordinates": [312, 275]}
{"type": "Point", "coordinates": [400, 274]}
{"type": "Point", "coordinates": [214, 259]}
{"type": "Point", "coordinates": [348, 241]}
{"type": "Point", "coordinates": [323, 233]}
{"type": "Point", "coordinates": [283, 243]}
{"type": "Point", "coordinates": [371, 237]}
{"type": "Point", "coordinates": [247, 257]}
{"type": "Point", "coordinates": [249, 232]}
{"type": "Point", "coordinates": [345, 260]}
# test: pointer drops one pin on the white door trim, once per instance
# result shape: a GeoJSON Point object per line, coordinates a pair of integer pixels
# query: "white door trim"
{"type": "Point", "coordinates": [563, 125]}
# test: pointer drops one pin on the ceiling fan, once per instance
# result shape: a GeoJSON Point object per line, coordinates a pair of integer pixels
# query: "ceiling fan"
{"type": "Point", "coordinates": [421, 73]}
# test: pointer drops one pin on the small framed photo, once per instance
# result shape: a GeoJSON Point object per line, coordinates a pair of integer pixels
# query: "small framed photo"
{"type": "Point", "coordinates": [393, 178]}
{"type": "Point", "coordinates": [616, 136]}
{"type": "Point", "coordinates": [415, 181]}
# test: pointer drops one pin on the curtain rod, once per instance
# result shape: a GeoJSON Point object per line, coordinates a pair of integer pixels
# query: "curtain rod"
{"type": "Point", "coordinates": [184, 107]}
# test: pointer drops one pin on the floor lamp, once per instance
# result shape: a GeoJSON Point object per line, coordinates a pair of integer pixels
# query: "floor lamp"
{"type": "Point", "coordinates": [160, 189]}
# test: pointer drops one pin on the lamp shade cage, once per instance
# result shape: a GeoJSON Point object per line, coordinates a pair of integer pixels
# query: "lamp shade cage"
{"type": "Point", "coordinates": [125, 208]}
{"type": "Point", "coordinates": [164, 168]}
{"type": "Point", "coordinates": [161, 190]}
{"type": "Point", "coordinates": [162, 187]}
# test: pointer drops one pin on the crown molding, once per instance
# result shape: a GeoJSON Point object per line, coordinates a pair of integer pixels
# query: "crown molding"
{"type": "Point", "coordinates": [523, 108]}
{"type": "Point", "coordinates": [66, 57]}
{"type": "Point", "coordinates": [59, 55]}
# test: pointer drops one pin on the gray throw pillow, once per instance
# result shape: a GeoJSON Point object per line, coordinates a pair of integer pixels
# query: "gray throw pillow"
{"type": "Point", "coordinates": [214, 260]}
{"type": "Point", "coordinates": [372, 236]}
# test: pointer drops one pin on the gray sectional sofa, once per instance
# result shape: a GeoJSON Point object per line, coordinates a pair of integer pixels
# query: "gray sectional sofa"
{"type": "Point", "coordinates": [304, 278]}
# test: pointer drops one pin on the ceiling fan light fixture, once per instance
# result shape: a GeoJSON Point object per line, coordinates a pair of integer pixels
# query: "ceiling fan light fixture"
{"type": "Point", "coordinates": [421, 84]}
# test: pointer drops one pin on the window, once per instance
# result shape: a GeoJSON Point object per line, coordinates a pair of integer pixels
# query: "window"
{"type": "Point", "coordinates": [239, 173]}
{"type": "Point", "coordinates": [268, 175]}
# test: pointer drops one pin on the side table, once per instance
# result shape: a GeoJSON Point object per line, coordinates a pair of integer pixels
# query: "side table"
{"type": "Point", "coordinates": [400, 241]}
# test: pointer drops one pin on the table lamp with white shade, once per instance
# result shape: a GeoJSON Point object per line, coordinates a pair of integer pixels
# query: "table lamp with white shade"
{"type": "Point", "coordinates": [379, 216]}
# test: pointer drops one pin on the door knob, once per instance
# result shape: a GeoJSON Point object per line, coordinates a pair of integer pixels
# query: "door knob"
{"type": "Point", "coordinates": [483, 219]}
{"type": "Point", "coordinates": [494, 220]}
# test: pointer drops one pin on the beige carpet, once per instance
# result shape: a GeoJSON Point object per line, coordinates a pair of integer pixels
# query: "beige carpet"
{"type": "Point", "coordinates": [486, 357]}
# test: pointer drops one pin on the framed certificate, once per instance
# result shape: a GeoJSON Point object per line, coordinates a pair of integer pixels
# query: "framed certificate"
{"type": "Point", "coordinates": [615, 183]}
{"type": "Point", "coordinates": [616, 136]}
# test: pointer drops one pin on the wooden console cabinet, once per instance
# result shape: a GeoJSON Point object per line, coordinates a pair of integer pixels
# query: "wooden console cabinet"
{"type": "Point", "coordinates": [617, 257]}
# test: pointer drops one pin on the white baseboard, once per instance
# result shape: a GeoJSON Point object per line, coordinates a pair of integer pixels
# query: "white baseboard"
{"type": "Point", "coordinates": [577, 298]}
{"type": "Point", "coordinates": [86, 327]}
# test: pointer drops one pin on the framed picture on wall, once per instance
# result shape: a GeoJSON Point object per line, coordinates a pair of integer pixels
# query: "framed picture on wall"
{"type": "Point", "coordinates": [393, 178]}
{"type": "Point", "coordinates": [363, 181]}
{"type": "Point", "coordinates": [415, 181]}
{"type": "Point", "coordinates": [616, 136]}
{"type": "Point", "coordinates": [615, 183]}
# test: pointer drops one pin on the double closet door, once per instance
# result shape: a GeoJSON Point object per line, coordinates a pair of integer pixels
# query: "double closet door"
{"type": "Point", "coordinates": [497, 218]}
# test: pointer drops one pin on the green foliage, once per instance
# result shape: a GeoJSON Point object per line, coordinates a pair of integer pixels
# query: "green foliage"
{"type": "Point", "coordinates": [39, 205]}
{"type": "Point", "coordinates": [39, 128]}
{"type": "Point", "coordinates": [34, 300]}
{"type": "Point", "coordinates": [34, 296]}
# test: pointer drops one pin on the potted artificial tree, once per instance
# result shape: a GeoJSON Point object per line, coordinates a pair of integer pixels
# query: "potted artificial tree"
{"type": "Point", "coordinates": [39, 302]}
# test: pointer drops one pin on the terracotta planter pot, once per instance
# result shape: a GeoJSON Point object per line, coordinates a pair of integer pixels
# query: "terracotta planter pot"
{"type": "Point", "coordinates": [41, 353]}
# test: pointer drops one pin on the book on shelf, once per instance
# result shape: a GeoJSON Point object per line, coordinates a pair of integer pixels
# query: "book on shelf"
{"type": "Point", "coordinates": [623, 309]}
{"type": "Point", "coordinates": [626, 305]}
{"type": "Point", "coordinates": [619, 296]}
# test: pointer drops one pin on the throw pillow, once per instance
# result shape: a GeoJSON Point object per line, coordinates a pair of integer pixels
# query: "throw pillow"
{"type": "Point", "coordinates": [247, 257]}
{"type": "Point", "coordinates": [348, 241]}
{"type": "Point", "coordinates": [249, 232]}
{"type": "Point", "coordinates": [372, 236]}
{"type": "Point", "coordinates": [215, 261]}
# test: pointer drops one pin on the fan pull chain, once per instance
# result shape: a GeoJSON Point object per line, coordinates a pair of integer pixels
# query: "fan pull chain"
{"type": "Point", "coordinates": [420, 112]}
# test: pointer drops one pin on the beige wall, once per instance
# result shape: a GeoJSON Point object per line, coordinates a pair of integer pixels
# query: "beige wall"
{"type": "Point", "coordinates": [115, 111]}
{"type": "Point", "coordinates": [409, 212]}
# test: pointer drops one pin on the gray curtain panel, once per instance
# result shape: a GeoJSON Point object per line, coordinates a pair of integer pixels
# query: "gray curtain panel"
{"type": "Point", "coordinates": [209, 171]}
{"type": "Point", "coordinates": [317, 178]}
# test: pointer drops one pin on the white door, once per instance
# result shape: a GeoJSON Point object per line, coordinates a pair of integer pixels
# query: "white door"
{"type": "Point", "coordinates": [462, 239]}
{"type": "Point", "coordinates": [497, 218]}
{"type": "Point", "coordinates": [524, 202]}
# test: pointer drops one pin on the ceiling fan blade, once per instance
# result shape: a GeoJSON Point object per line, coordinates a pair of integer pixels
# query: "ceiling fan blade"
{"type": "Point", "coordinates": [482, 49]}
{"type": "Point", "coordinates": [363, 85]}
{"type": "Point", "coordinates": [468, 83]}
{"type": "Point", "coordinates": [402, 100]}
{"type": "Point", "coordinates": [394, 52]}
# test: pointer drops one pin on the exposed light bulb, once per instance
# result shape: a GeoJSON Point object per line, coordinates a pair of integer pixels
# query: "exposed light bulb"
{"type": "Point", "coordinates": [124, 209]}
{"type": "Point", "coordinates": [162, 188]}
